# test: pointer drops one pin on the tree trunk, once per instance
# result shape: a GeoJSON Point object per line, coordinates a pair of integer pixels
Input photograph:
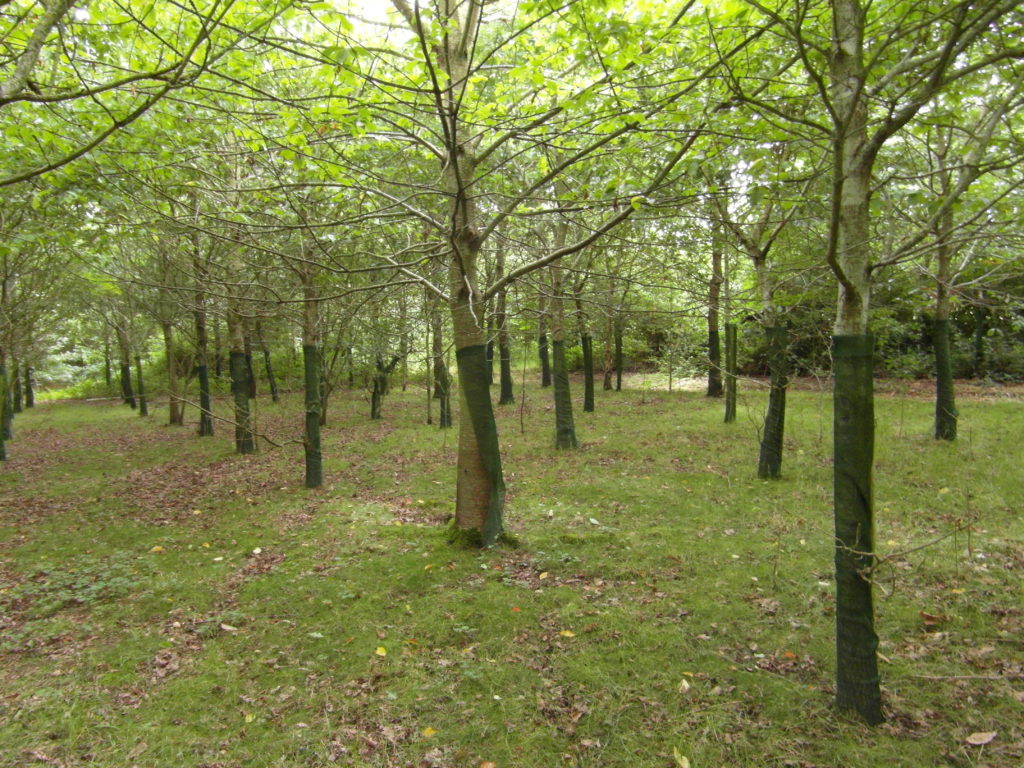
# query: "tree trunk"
{"type": "Point", "coordinates": [30, 393]}
{"type": "Point", "coordinates": [312, 367]}
{"type": "Point", "coordinates": [857, 682]}
{"type": "Point", "coordinates": [268, 365]}
{"type": "Point", "coordinates": [437, 350]}
{"type": "Point", "coordinates": [730, 372]}
{"type": "Point", "coordinates": [16, 396]}
{"type": "Point", "coordinates": [311, 436]}
{"type": "Point", "coordinates": [945, 398]}
{"type": "Point", "coordinates": [245, 442]}
{"type": "Point", "coordinates": [770, 462]}
{"type": "Point", "coordinates": [565, 425]}
{"type": "Point", "coordinates": [175, 411]}
{"type": "Point", "coordinates": [714, 301]}
{"type": "Point", "coordinates": [5, 416]}
{"type": "Point", "coordinates": [250, 372]}
{"type": "Point", "coordinates": [127, 393]}
{"type": "Point", "coordinates": [587, 345]}
{"type": "Point", "coordinates": [607, 345]}
{"type": "Point", "coordinates": [618, 353]}
{"type": "Point", "coordinates": [108, 375]}
{"type": "Point", "coordinates": [542, 340]}
{"type": "Point", "coordinates": [218, 350]}
{"type": "Point", "coordinates": [380, 384]}
{"type": "Point", "coordinates": [143, 405]}
{"type": "Point", "coordinates": [980, 314]}
{"type": "Point", "coordinates": [945, 395]}
{"type": "Point", "coordinates": [202, 343]}
{"type": "Point", "coordinates": [506, 396]}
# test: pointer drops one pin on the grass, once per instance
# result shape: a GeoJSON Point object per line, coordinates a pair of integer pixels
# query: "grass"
{"type": "Point", "coordinates": [165, 602]}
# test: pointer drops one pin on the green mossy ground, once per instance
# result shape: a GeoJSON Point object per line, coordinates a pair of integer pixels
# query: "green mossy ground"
{"type": "Point", "coordinates": [661, 600]}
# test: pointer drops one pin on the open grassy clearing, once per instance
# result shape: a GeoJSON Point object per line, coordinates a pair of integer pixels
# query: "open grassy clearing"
{"type": "Point", "coordinates": [165, 602]}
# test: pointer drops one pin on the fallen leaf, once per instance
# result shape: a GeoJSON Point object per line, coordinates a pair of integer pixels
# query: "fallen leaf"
{"type": "Point", "coordinates": [428, 732]}
{"type": "Point", "coordinates": [249, 717]}
{"type": "Point", "coordinates": [488, 764]}
{"type": "Point", "coordinates": [981, 738]}
{"type": "Point", "coordinates": [684, 685]}
{"type": "Point", "coordinates": [567, 633]}
{"type": "Point", "coordinates": [543, 575]}
{"type": "Point", "coordinates": [228, 628]}
{"type": "Point", "coordinates": [516, 609]}
{"type": "Point", "coordinates": [681, 760]}
{"type": "Point", "coordinates": [157, 548]}
{"type": "Point", "coordinates": [381, 651]}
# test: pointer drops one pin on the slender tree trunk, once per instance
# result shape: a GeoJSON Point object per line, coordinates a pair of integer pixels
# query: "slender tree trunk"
{"type": "Point", "coordinates": [250, 372]}
{"type": "Point", "coordinates": [175, 411]}
{"type": "Point", "coordinates": [770, 462]}
{"type": "Point", "coordinates": [380, 384]}
{"type": "Point", "coordinates": [980, 331]}
{"type": "Point", "coordinates": [618, 352]}
{"type": "Point", "coordinates": [403, 339]}
{"type": "Point", "coordinates": [587, 345]}
{"type": "Point", "coordinates": [218, 349]}
{"type": "Point", "coordinates": [714, 294]}
{"type": "Point", "coordinates": [202, 343]}
{"type": "Point", "coordinates": [127, 393]}
{"type": "Point", "coordinates": [730, 372]}
{"type": "Point", "coordinates": [945, 393]}
{"type": "Point", "coordinates": [268, 365]}
{"type": "Point", "coordinates": [107, 372]}
{"type": "Point", "coordinates": [16, 396]}
{"type": "Point", "coordinates": [30, 393]}
{"type": "Point", "coordinates": [143, 405]}
{"type": "Point", "coordinates": [857, 681]}
{"type": "Point", "coordinates": [442, 379]}
{"type": "Point", "coordinates": [312, 366]}
{"type": "Point", "coordinates": [607, 345]}
{"type": "Point", "coordinates": [245, 441]}
{"type": "Point", "coordinates": [565, 425]}
{"type": "Point", "coordinates": [5, 415]}
{"type": "Point", "coordinates": [506, 396]}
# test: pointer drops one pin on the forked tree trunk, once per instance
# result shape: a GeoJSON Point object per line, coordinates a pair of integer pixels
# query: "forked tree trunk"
{"type": "Point", "coordinates": [268, 365]}
{"type": "Point", "coordinates": [857, 682]}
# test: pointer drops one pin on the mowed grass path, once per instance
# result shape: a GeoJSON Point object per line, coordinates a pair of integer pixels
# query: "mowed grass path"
{"type": "Point", "coordinates": [164, 602]}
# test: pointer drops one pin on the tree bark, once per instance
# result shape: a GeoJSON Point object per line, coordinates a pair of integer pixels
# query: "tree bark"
{"type": "Point", "coordinates": [127, 393]}
{"type": "Point", "coordinates": [5, 416]}
{"type": "Point", "coordinates": [202, 342]}
{"type": "Point", "coordinates": [857, 682]}
{"type": "Point", "coordinates": [506, 396]}
{"type": "Point", "coordinates": [714, 301]}
{"type": "Point", "coordinates": [618, 353]}
{"type": "Point", "coordinates": [245, 441]}
{"type": "Point", "coordinates": [175, 411]}
{"type": "Point", "coordinates": [17, 402]}
{"type": "Point", "coordinates": [268, 365]}
{"type": "Point", "coordinates": [312, 366]}
{"type": "Point", "coordinates": [730, 372]}
{"type": "Point", "coordinates": [769, 465]}
{"type": "Point", "coordinates": [30, 393]}
{"type": "Point", "coordinates": [565, 425]}
{"type": "Point", "coordinates": [143, 405]}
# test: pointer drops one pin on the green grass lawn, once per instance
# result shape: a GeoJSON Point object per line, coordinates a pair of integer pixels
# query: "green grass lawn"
{"type": "Point", "coordinates": [164, 602]}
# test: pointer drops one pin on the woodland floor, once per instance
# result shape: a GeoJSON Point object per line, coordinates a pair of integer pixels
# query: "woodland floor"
{"type": "Point", "coordinates": [164, 602]}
